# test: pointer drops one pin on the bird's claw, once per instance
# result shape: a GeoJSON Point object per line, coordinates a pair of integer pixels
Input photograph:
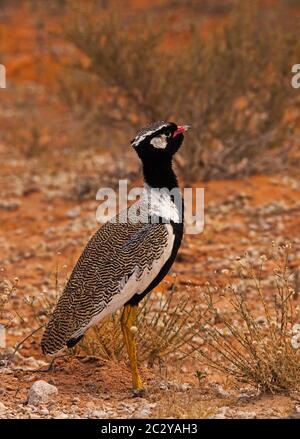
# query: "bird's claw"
{"type": "Point", "coordinates": [139, 392]}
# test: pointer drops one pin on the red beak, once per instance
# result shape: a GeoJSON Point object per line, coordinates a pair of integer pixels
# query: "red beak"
{"type": "Point", "coordinates": [181, 129]}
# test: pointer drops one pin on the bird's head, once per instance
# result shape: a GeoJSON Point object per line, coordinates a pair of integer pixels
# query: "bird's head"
{"type": "Point", "coordinates": [159, 140]}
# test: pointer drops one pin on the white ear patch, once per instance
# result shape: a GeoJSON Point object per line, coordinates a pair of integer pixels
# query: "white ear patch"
{"type": "Point", "coordinates": [159, 142]}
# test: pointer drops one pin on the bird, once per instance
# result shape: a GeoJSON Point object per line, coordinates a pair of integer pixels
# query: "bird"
{"type": "Point", "coordinates": [129, 255]}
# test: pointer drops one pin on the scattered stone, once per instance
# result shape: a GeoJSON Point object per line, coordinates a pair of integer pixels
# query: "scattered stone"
{"type": "Point", "coordinates": [6, 371]}
{"type": "Point", "coordinates": [221, 413]}
{"type": "Point", "coordinates": [31, 362]}
{"type": "Point", "coordinates": [41, 392]}
{"type": "Point", "coordinates": [220, 392]}
{"type": "Point", "coordinates": [74, 213]}
{"type": "Point", "coordinates": [143, 414]}
{"type": "Point", "coordinates": [145, 411]}
{"type": "Point", "coordinates": [34, 416]}
{"type": "Point", "coordinates": [62, 416]}
{"type": "Point", "coordinates": [90, 404]}
{"type": "Point", "coordinates": [294, 416]}
{"type": "Point", "coordinates": [99, 414]}
{"type": "Point", "coordinates": [184, 387]}
{"type": "Point", "coordinates": [3, 408]}
{"type": "Point", "coordinates": [244, 415]}
{"type": "Point", "coordinates": [10, 205]}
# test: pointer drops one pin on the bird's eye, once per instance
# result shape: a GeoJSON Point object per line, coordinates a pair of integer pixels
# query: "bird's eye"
{"type": "Point", "coordinates": [168, 134]}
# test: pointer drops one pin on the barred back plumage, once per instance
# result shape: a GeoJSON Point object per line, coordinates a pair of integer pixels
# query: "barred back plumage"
{"type": "Point", "coordinates": [116, 254]}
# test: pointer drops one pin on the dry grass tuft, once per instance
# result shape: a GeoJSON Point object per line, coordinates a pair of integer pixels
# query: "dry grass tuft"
{"type": "Point", "coordinates": [258, 346]}
{"type": "Point", "coordinates": [184, 405]}
{"type": "Point", "coordinates": [248, 330]}
{"type": "Point", "coordinates": [165, 326]}
{"type": "Point", "coordinates": [8, 291]}
{"type": "Point", "coordinates": [164, 330]}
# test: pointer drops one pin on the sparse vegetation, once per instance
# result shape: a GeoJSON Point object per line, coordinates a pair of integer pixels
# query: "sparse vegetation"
{"type": "Point", "coordinates": [233, 88]}
{"type": "Point", "coordinates": [222, 338]}
{"type": "Point", "coordinates": [258, 349]}
{"type": "Point", "coordinates": [164, 328]}
{"type": "Point", "coordinates": [8, 290]}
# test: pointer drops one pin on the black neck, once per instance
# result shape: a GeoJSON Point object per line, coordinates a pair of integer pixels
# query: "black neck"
{"type": "Point", "coordinates": [160, 174]}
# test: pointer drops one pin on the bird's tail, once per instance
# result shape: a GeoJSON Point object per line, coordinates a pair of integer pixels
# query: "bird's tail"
{"type": "Point", "coordinates": [61, 328]}
{"type": "Point", "coordinates": [53, 341]}
{"type": "Point", "coordinates": [54, 338]}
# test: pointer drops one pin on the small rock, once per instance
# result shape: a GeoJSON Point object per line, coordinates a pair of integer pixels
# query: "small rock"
{"type": "Point", "coordinates": [10, 205]}
{"type": "Point", "coordinates": [8, 352]}
{"type": "Point", "coordinates": [294, 416]}
{"type": "Point", "coordinates": [221, 393]}
{"type": "Point", "coordinates": [245, 415]}
{"type": "Point", "coordinates": [129, 408]}
{"type": "Point", "coordinates": [99, 414]}
{"type": "Point", "coordinates": [62, 416]}
{"type": "Point", "coordinates": [143, 414]}
{"type": "Point", "coordinates": [6, 371]}
{"type": "Point", "coordinates": [32, 362]}
{"type": "Point", "coordinates": [184, 387]}
{"type": "Point", "coordinates": [3, 408]}
{"type": "Point", "coordinates": [75, 416]}
{"type": "Point", "coordinates": [90, 404]}
{"type": "Point", "coordinates": [34, 416]}
{"type": "Point", "coordinates": [73, 213]}
{"type": "Point", "coordinates": [221, 413]}
{"type": "Point", "coordinates": [41, 392]}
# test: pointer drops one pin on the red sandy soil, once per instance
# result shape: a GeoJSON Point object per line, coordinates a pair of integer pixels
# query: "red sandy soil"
{"type": "Point", "coordinates": [33, 234]}
{"type": "Point", "coordinates": [40, 232]}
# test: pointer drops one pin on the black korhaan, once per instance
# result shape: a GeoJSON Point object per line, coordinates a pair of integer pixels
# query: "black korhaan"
{"type": "Point", "coordinates": [125, 260]}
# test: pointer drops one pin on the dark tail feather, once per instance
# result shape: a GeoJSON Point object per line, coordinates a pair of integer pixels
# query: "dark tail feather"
{"type": "Point", "coordinates": [73, 341]}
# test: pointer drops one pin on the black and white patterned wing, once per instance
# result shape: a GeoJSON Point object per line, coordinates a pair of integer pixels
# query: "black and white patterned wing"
{"type": "Point", "coordinates": [119, 261]}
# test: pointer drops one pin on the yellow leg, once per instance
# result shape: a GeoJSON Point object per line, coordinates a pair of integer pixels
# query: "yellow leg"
{"type": "Point", "coordinates": [128, 320]}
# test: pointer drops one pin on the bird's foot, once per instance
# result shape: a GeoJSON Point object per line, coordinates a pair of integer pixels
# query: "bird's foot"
{"type": "Point", "coordinates": [140, 392]}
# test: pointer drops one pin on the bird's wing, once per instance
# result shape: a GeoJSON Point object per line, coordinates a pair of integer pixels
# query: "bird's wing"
{"type": "Point", "coordinates": [119, 261]}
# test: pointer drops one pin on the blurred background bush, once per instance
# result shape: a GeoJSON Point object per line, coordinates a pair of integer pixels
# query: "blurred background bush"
{"type": "Point", "coordinates": [87, 74]}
